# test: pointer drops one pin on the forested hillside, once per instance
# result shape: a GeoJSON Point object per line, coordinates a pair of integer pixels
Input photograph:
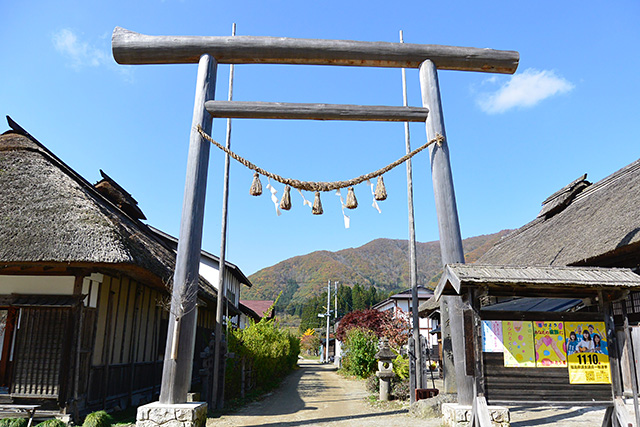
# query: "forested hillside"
{"type": "Point", "coordinates": [382, 264]}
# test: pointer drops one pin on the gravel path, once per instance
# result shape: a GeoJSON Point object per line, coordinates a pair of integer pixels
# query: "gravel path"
{"type": "Point", "coordinates": [315, 395]}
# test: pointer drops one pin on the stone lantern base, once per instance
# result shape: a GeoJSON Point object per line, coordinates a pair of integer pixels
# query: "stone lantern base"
{"type": "Point", "coordinates": [156, 414]}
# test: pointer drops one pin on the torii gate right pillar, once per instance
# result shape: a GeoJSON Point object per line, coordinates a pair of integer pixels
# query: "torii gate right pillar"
{"type": "Point", "coordinates": [451, 307]}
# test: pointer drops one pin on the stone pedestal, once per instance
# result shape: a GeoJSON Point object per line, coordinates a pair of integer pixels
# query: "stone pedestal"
{"type": "Point", "coordinates": [455, 415]}
{"type": "Point", "coordinates": [156, 414]}
{"type": "Point", "coordinates": [385, 385]}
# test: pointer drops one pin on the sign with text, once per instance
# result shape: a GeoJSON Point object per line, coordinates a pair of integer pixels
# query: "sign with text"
{"type": "Point", "coordinates": [587, 353]}
{"type": "Point", "coordinates": [549, 337]}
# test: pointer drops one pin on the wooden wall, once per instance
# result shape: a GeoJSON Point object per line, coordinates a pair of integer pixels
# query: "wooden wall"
{"type": "Point", "coordinates": [129, 342]}
{"type": "Point", "coordinates": [130, 334]}
{"type": "Point", "coordinates": [536, 384]}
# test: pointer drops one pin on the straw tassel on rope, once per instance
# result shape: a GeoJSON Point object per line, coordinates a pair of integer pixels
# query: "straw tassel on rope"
{"type": "Point", "coordinates": [317, 205]}
{"type": "Point", "coordinates": [352, 202]}
{"type": "Point", "coordinates": [381, 191]}
{"type": "Point", "coordinates": [285, 202]}
{"type": "Point", "coordinates": [256, 185]}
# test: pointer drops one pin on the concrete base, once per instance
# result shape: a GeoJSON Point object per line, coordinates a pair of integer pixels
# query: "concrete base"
{"type": "Point", "coordinates": [455, 415]}
{"type": "Point", "coordinates": [157, 414]}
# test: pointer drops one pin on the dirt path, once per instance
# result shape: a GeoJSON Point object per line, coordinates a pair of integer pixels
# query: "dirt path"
{"type": "Point", "coordinates": [315, 395]}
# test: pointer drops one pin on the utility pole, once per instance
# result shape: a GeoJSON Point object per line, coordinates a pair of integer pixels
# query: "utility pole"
{"type": "Point", "coordinates": [335, 305]}
{"type": "Point", "coordinates": [326, 350]}
{"type": "Point", "coordinates": [327, 314]}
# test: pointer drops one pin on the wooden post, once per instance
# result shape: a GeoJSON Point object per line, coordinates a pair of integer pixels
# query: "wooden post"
{"type": "Point", "coordinates": [218, 400]}
{"type": "Point", "coordinates": [632, 363]}
{"type": "Point", "coordinates": [612, 344]}
{"type": "Point", "coordinates": [413, 267]}
{"type": "Point", "coordinates": [178, 360]}
{"type": "Point", "coordinates": [448, 225]}
{"type": "Point", "coordinates": [412, 369]}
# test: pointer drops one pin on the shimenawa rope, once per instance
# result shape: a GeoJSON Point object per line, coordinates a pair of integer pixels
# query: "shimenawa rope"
{"type": "Point", "coordinates": [318, 186]}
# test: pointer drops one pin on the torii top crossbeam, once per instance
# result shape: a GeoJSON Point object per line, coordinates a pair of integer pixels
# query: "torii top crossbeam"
{"type": "Point", "coordinates": [134, 48]}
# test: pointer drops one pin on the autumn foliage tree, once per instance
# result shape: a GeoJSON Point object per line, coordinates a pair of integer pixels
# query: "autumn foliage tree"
{"type": "Point", "coordinates": [310, 342]}
{"type": "Point", "coordinates": [381, 323]}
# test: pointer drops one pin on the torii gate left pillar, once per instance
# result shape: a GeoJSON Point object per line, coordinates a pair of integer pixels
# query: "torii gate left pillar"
{"type": "Point", "coordinates": [133, 48]}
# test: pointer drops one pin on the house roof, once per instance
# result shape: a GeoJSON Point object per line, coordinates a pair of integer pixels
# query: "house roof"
{"type": "Point", "coordinates": [424, 293]}
{"type": "Point", "coordinates": [234, 269]}
{"type": "Point", "coordinates": [50, 216]}
{"type": "Point", "coordinates": [546, 281]}
{"type": "Point", "coordinates": [260, 307]}
{"type": "Point", "coordinates": [593, 222]}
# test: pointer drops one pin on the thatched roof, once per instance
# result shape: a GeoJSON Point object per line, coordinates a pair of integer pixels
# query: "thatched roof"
{"type": "Point", "coordinates": [51, 217]}
{"type": "Point", "coordinates": [599, 221]}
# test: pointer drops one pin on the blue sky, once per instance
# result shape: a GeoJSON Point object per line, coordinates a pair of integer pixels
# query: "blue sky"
{"type": "Point", "coordinates": [570, 109]}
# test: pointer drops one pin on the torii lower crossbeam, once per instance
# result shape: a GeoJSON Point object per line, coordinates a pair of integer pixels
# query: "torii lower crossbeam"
{"type": "Point", "coordinates": [281, 110]}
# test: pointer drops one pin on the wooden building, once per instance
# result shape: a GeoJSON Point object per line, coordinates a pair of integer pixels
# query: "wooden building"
{"type": "Point", "coordinates": [583, 224]}
{"type": "Point", "coordinates": [83, 287]}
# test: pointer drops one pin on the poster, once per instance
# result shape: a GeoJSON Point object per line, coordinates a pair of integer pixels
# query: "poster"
{"type": "Point", "coordinates": [519, 351]}
{"type": "Point", "coordinates": [492, 336]}
{"type": "Point", "coordinates": [587, 353]}
{"type": "Point", "coordinates": [549, 340]}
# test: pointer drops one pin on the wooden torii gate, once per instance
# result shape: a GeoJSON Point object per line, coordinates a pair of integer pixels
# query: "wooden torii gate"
{"type": "Point", "coordinates": [134, 48]}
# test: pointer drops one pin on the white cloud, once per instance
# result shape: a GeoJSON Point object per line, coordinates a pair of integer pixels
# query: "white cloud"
{"type": "Point", "coordinates": [524, 90]}
{"type": "Point", "coordinates": [81, 54]}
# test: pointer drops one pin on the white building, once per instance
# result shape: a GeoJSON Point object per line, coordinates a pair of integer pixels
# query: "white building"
{"type": "Point", "coordinates": [400, 305]}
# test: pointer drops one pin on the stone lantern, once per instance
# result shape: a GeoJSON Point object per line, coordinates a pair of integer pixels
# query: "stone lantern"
{"type": "Point", "coordinates": [385, 368]}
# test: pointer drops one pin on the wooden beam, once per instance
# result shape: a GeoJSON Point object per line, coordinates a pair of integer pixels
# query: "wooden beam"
{"type": "Point", "coordinates": [448, 227]}
{"type": "Point", "coordinates": [130, 47]}
{"type": "Point", "coordinates": [281, 110]}
{"type": "Point", "coordinates": [177, 367]}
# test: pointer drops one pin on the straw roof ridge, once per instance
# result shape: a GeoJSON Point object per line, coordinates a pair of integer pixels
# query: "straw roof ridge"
{"type": "Point", "coordinates": [601, 221]}
{"type": "Point", "coordinates": [50, 214]}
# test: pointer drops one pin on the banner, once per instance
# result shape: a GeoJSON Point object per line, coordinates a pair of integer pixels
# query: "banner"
{"type": "Point", "coordinates": [587, 353]}
{"type": "Point", "coordinates": [519, 351]}
{"type": "Point", "coordinates": [550, 351]}
{"type": "Point", "coordinates": [492, 336]}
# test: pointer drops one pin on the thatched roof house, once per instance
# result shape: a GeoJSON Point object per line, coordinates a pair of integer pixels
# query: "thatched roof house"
{"type": "Point", "coordinates": [66, 222]}
{"type": "Point", "coordinates": [595, 224]}
{"type": "Point", "coordinates": [82, 287]}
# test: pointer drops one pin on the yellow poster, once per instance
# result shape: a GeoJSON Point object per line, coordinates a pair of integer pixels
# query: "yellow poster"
{"type": "Point", "coordinates": [549, 338]}
{"type": "Point", "coordinates": [587, 353]}
{"type": "Point", "coordinates": [519, 351]}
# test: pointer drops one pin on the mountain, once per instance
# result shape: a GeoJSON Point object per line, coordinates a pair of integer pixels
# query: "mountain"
{"type": "Point", "coordinates": [383, 263]}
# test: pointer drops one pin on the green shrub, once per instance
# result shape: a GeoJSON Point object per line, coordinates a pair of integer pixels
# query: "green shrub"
{"type": "Point", "coordinates": [360, 348]}
{"type": "Point", "coordinates": [98, 419]}
{"type": "Point", "coordinates": [52, 423]}
{"type": "Point", "coordinates": [269, 349]}
{"type": "Point", "coordinates": [401, 366]}
{"type": "Point", "coordinates": [13, 422]}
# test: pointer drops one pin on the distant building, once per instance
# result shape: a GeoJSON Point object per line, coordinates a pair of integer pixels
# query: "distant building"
{"type": "Point", "coordinates": [400, 305]}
